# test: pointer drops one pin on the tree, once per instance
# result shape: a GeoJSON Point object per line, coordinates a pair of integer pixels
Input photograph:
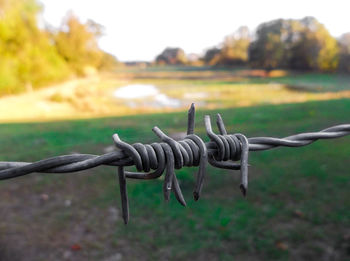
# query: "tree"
{"type": "Point", "coordinates": [298, 44]}
{"type": "Point", "coordinates": [108, 62]}
{"type": "Point", "coordinates": [344, 53]}
{"type": "Point", "coordinates": [172, 56]}
{"type": "Point", "coordinates": [27, 56]}
{"type": "Point", "coordinates": [234, 50]}
{"type": "Point", "coordinates": [77, 43]}
{"type": "Point", "coordinates": [315, 48]}
{"type": "Point", "coordinates": [235, 47]}
{"type": "Point", "coordinates": [273, 41]}
{"type": "Point", "coordinates": [31, 56]}
{"type": "Point", "coordinates": [212, 56]}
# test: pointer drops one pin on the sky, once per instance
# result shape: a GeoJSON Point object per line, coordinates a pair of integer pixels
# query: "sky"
{"type": "Point", "coordinates": [138, 30]}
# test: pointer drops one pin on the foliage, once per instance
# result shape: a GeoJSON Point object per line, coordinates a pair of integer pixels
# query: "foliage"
{"type": "Point", "coordinates": [344, 59]}
{"type": "Point", "coordinates": [31, 56]}
{"type": "Point", "coordinates": [107, 62]}
{"type": "Point", "coordinates": [314, 48]}
{"type": "Point", "coordinates": [27, 54]}
{"type": "Point", "coordinates": [270, 49]}
{"type": "Point", "coordinates": [234, 50]}
{"type": "Point", "coordinates": [172, 56]}
{"type": "Point", "coordinates": [289, 44]}
{"type": "Point", "coordinates": [297, 44]}
{"type": "Point", "coordinates": [77, 43]}
{"type": "Point", "coordinates": [212, 56]}
{"type": "Point", "coordinates": [235, 47]}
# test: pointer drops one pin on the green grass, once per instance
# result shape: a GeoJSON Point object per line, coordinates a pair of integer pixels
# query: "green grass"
{"type": "Point", "coordinates": [319, 82]}
{"type": "Point", "coordinates": [297, 205]}
{"type": "Point", "coordinates": [301, 81]}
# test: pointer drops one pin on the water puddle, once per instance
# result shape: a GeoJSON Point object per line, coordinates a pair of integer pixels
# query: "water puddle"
{"type": "Point", "coordinates": [136, 91]}
{"type": "Point", "coordinates": [145, 95]}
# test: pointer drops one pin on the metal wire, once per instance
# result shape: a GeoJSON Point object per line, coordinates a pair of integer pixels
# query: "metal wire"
{"type": "Point", "coordinates": [222, 151]}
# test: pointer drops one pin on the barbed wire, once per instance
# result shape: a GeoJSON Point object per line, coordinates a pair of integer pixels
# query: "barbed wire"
{"type": "Point", "coordinates": [222, 151]}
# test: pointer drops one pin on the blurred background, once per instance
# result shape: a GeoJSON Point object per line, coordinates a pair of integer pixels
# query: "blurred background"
{"type": "Point", "coordinates": [73, 73]}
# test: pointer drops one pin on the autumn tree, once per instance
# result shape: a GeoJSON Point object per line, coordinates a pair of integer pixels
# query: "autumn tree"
{"type": "Point", "coordinates": [77, 43]}
{"type": "Point", "coordinates": [298, 44]}
{"type": "Point", "coordinates": [235, 47]}
{"type": "Point", "coordinates": [274, 39]}
{"type": "Point", "coordinates": [212, 56]}
{"type": "Point", "coordinates": [233, 51]}
{"type": "Point", "coordinates": [172, 56]}
{"type": "Point", "coordinates": [314, 48]}
{"type": "Point", "coordinates": [27, 56]}
{"type": "Point", "coordinates": [344, 53]}
{"type": "Point", "coordinates": [108, 62]}
{"type": "Point", "coordinates": [32, 56]}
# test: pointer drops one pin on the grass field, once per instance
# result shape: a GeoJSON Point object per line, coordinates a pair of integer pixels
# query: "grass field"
{"type": "Point", "coordinates": [297, 206]}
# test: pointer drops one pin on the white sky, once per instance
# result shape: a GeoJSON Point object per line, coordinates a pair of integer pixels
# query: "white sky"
{"type": "Point", "coordinates": [141, 29]}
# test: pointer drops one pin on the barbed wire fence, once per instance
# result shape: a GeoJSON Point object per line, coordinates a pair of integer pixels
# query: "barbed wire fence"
{"type": "Point", "coordinates": [225, 151]}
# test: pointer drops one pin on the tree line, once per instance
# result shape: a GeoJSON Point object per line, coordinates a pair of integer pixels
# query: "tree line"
{"type": "Point", "coordinates": [31, 56]}
{"type": "Point", "coordinates": [303, 44]}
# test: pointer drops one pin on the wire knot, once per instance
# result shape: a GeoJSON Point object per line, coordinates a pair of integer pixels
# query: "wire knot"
{"type": "Point", "coordinates": [170, 154]}
{"type": "Point", "coordinates": [165, 156]}
{"type": "Point", "coordinates": [229, 148]}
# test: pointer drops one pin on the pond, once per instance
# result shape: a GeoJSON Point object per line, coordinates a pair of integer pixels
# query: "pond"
{"type": "Point", "coordinates": [145, 95]}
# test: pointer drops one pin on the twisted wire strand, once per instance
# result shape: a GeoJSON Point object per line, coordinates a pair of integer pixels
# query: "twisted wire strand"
{"type": "Point", "coordinates": [78, 162]}
{"type": "Point", "coordinates": [298, 140]}
{"type": "Point", "coordinates": [225, 151]}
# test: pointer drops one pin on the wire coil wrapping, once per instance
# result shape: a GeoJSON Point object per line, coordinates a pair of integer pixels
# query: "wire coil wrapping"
{"type": "Point", "coordinates": [226, 151]}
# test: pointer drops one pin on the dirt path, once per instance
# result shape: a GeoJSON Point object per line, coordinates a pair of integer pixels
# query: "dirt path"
{"type": "Point", "coordinates": [77, 98]}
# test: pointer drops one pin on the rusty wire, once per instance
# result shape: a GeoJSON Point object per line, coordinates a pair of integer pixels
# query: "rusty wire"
{"type": "Point", "coordinates": [222, 151]}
